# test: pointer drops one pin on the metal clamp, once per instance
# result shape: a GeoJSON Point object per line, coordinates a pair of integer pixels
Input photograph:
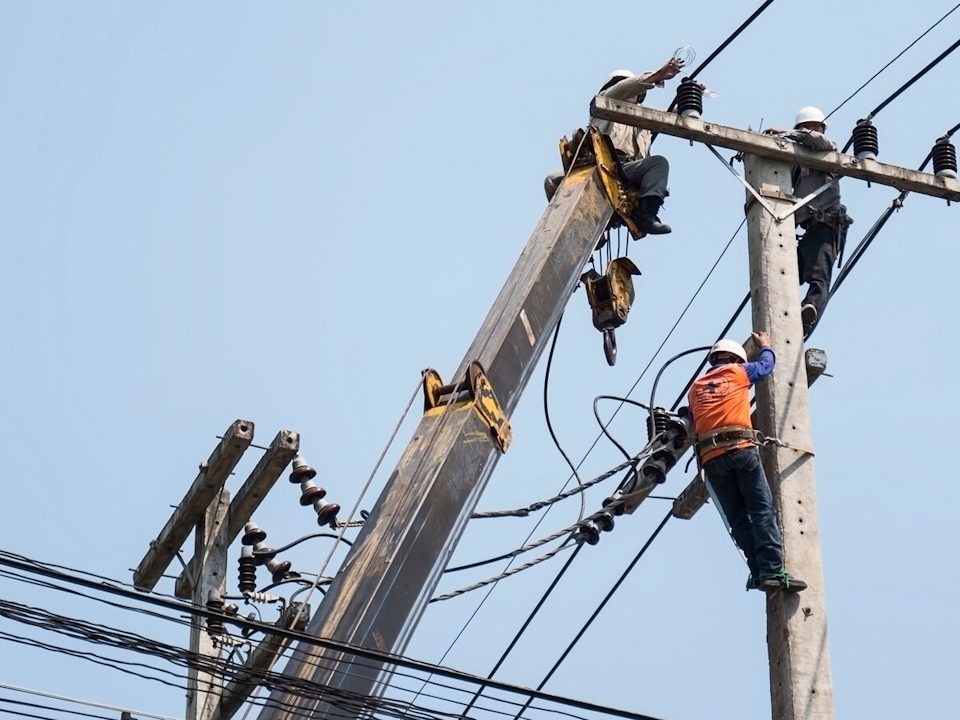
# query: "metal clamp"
{"type": "Point", "coordinates": [475, 389]}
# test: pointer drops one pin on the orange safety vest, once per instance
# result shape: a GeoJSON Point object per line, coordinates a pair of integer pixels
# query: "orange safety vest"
{"type": "Point", "coordinates": [721, 398]}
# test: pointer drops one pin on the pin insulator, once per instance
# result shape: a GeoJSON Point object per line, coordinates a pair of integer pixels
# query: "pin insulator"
{"type": "Point", "coordinates": [247, 571]}
{"type": "Point", "coordinates": [301, 470]}
{"type": "Point", "coordinates": [944, 158]}
{"type": "Point", "coordinates": [689, 98]}
{"type": "Point", "coordinates": [657, 422]}
{"type": "Point", "coordinates": [215, 626]}
{"type": "Point", "coordinates": [253, 534]}
{"type": "Point", "coordinates": [866, 143]}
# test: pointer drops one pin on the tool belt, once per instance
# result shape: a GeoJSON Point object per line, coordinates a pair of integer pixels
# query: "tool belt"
{"type": "Point", "coordinates": [724, 437]}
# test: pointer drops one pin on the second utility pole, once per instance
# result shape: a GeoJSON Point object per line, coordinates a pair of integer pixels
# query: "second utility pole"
{"type": "Point", "coordinates": [801, 687]}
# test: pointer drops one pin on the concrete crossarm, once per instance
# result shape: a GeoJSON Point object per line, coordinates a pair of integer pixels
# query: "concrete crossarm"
{"type": "Point", "coordinates": [212, 476]}
{"type": "Point", "coordinates": [263, 477]}
{"type": "Point", "coordinates": [766, 146]}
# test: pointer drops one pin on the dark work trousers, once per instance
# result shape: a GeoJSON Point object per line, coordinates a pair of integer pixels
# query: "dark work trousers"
{"type": "Point", "coordinates": [649, 176]}
{"type": "Point", "coordinates": [818, 253]}
{"type": "Point", "coordinates": [740, 487]}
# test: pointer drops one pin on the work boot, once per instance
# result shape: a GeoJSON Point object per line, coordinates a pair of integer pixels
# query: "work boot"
{"type": "Point", "coordinates": [781, 581]}
{"type": "Point", "coordinates": [646, 216]}
{"type": "Point", "coordinates": [808, 316]}
{"type": "Point", "coordinates": [751, 583]}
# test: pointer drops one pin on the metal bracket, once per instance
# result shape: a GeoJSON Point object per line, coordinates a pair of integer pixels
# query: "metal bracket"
{"type": "Point", "coordinates": [614, 183]}
{"type": "Point", "coordinates": [743, 182]}
{"type": "Point", "coordinates": [475, 389]}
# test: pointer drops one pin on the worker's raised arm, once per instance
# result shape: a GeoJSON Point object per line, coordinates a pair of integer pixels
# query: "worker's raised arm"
{"type": "Point", "coordinates": [811, 139]}
{"type": "Point", "coordinates": [761, 369]}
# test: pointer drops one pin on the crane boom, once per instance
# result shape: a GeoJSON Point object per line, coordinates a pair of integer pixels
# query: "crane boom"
{"type": "Point", "coordinates": [393, 568]}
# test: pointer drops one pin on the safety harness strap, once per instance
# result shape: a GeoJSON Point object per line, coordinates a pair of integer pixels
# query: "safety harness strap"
{"type": "Point", "coordinates": [724, 437]}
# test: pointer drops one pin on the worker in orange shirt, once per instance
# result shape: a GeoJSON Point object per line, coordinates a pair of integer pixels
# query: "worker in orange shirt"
{"type": "Point", "coordinates": [727, 449]}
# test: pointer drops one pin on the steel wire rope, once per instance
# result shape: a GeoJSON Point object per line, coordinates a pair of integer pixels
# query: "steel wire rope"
{"type": "Point", "coordinates": [899, 91]}
{"type": "Point", "coordinates": [891, 62]}
{"type": "Point", "coordinates": [347, 523]}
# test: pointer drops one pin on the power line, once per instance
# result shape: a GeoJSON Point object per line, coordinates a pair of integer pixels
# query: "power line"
{"type": "Point", "coordinates": [348, 649]}
{"type": "Point", "coordinates": [897, 57]}
{"type": "Point", "coordinates": [899, 91]}
{"type": "Point", "coordinates": [606, 599]}
{"type": "Point", "coordinates": [88, 703]}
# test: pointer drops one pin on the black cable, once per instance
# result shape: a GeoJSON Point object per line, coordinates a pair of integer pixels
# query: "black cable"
{"type": "Point", "coordinates": [603, 428]}
{"type": "Point", "coordinates": [35, 706]}
{"type": "Point", "coordinates": [546, 414]}
{"type": "Point", "coordinates": [898, 56]}
{"type": "Point", "coordinates": [733, 36]}
{"type": "Point", "coordinates": [653, 390]}
{"type": "Point", "coordinates": [606, 599]}
{"type": "Point", "coordinates": [876, 228]}
{"type": "Point", "coordinates": [933, 63]}
{"type": "Point", "coordinates": [523, 628]}
{"type": "Point", "coordinates": [326, 643]}
{"type": "Point", "coordinates": [696, 374]}
{"type": "Point", "coordinates": [273, 552]}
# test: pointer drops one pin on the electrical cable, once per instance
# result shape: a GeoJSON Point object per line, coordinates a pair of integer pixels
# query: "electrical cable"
{"type": "Point", "coordinates": [603, 603]}
{"type": "Point", "coordinates": [523, 628]}
{"type": "Point", "coordinates": [22, 703]}
{"type": "Point", "coordinates": [899, 91]}
{"type": "Point", "coordinates": [546, 415]}
{"type": "Point", "coordinates": [360, 652]}
{"type": "Point", "coordinates": [656, 381]}
{"type": "Point", "coordinates": [897, 57]}
{"type": "Point", "coordinates": [88, 703]}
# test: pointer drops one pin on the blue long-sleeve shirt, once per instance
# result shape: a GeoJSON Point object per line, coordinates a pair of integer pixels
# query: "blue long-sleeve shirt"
{"type": "Point", "coordinates": [761, 369]}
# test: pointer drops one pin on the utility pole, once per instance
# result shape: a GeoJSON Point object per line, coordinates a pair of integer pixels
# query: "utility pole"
{"type": "Point", "coordinates": [801, 687]}
{"type": "Point", "coordinates": [800, 681]}
{"type": "Point", "coordinates": [211, 551]}
{"type": "Point", "coordinates": [207, 510]}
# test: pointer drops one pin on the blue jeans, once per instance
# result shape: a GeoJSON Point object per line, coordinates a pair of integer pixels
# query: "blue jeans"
{"type": "Point", "coordinates": [742, 491]}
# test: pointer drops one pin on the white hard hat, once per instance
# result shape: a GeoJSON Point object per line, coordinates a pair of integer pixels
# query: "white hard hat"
{"type": "Point", "coordinates": [728, 346]}
{"type": "Point", "coordinates": [809, 114]}
{"type": "Point", "coordinates": [619, 75]}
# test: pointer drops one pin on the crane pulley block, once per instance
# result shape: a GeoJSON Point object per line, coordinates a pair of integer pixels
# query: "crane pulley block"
{"type": "Point", "coordinates": [474, 389]}
{"type": "Point", "coordinates": [611, 296]}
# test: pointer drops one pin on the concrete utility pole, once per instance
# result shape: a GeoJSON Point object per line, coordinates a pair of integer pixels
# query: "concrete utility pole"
{"type": "Point", "coordinates": [206, 510]}
{"type": "Point", "coordinates": [800, 681]}
{"type": "Point", "coordinates": [800, 684]}
{"type": "Point", "coordinates": [203, 688]}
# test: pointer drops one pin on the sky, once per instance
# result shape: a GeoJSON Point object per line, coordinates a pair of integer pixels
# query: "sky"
{"type": "Point", "coordinates": [284, 212]}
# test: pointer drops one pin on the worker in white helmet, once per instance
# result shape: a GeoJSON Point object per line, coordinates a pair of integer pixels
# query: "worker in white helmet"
{"type": "Point", "coordinates": [824, 219]}
{"type": "Point", "coordinates": [727, 452]}
{"type": "Point", "coordinates": [646, 173]}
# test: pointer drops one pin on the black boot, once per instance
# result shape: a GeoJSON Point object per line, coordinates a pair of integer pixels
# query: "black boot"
{"type": "Point", "coordinates": [646, 216]}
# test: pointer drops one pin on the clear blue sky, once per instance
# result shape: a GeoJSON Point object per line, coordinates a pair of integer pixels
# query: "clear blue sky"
{"type": "Point", "coordinates": [283, 212]}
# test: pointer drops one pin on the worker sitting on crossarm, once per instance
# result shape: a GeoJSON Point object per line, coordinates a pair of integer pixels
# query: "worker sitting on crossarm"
{"type": "Point", "coordinates": [645, 173]}
{"type": "Point", "coordinates": [824, 219]}
{"type": "Point", "coordinates": [727, 451]}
